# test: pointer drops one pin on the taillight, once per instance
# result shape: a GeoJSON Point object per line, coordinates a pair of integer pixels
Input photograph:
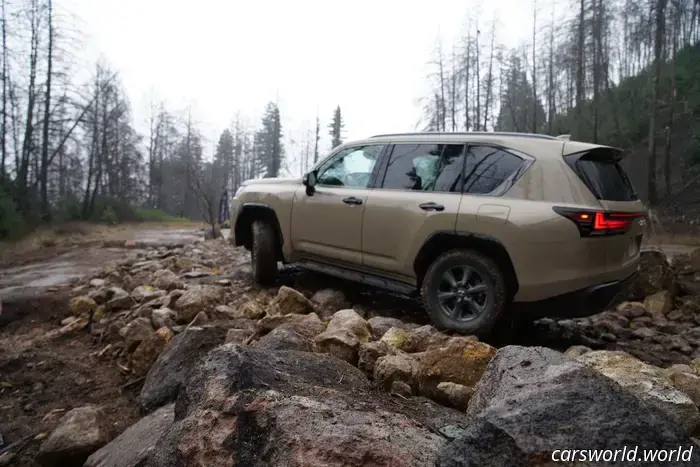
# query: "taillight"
{"type": "Point", "coordinates": [593, 223]}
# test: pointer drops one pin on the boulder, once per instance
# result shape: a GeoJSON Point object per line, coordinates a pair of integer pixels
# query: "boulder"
{"type": "Point", "coordinates": [368, 353]}
{"type": "Point", "coordinates": [659, 303]}
{"type": "Point", "coordinates": [290, 301]}
{"type": "Point", "coordinates": [79, 433]}
{"type": "Point", "coordinates": [455, 395]}
{"type": "Point", "coordinates": [293, 335]}
{"type": "Point", "coordinates": [118, 299]}
{"type": "Point", "coordinates": [250, 309]}
{"type": "Point", "coordinates": [460, 361]}
{"type": "Point", "coordinates": [632, 310]}
{"type": "Point", "coordinates": [654, 275]}
{"type": "Point", "coordinates": [381, 324]}
{"type": "Point", "coordinates": [399, 367]}
{"type": "Point", "coordinates": [174, 365]}
{"type": "Point", "coordinates": [331, 300]}
{"type": "Point", "coordinates": [346, 330]}
{"type": "Point", "coordinates": [686, 382]}
{"type": "Point", "coordinates": [144, 293]}
{"type": "Point", "coordinates": [136, 443]}
{"type": "Point", "coordinates": [647, 383]}
{"type": "Point", "coordinates": [163, 317]}
{"type": "Point", "coordinates": [196, 299]}
{"type": "Point", "coordinates": [148, 350]}
{"type": "Point", "coordinates": [532, 401]}
{"type": "Point", "coordinates": [415, 340]}
{"type": "Point", "coordinates": [135, 332]}
{"type": "Point", "coordinates": [82, 305]}
{"type": "Point", "coordinates": [254, 408]}
{"type": "Point", "coordinates": [165, 279]}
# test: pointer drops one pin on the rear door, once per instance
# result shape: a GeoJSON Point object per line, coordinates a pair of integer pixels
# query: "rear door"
{"type": "Point", "coordinates": [418, 194]}
{"type": "Point", "coordinates": [600, 170]}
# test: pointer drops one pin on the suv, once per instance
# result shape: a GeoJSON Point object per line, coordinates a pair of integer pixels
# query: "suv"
{"type": "Point", "coordinates": [470, 221]}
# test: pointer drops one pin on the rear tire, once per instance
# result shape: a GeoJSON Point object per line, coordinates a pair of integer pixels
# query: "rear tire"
{"type": "Point", "coordinates": [464, 291]}
{"type": "Point", "coordinates": [263, 257]}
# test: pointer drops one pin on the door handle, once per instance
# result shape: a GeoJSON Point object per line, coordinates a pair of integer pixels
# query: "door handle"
{"type": "Point", "coordinates": [431, 207]}
{"type": "Point", "coordinates": [352, 200]}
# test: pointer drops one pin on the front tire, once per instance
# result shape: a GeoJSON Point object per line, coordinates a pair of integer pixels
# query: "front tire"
{"type": "Point", "coordinates": [263, 257]}
{"type": "Point", "coordinates": [464, 291]}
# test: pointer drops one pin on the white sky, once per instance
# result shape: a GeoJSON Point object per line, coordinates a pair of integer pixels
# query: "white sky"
{"type": "Point", "coordinates": [223, 56]}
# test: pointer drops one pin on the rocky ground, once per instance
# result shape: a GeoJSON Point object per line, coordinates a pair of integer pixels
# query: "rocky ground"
{"type": "Point", "coordinates": [170, 356]}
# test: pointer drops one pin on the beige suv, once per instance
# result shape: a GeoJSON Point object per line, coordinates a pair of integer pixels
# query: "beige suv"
{"type": "Point", "coordinates": [473, 222]}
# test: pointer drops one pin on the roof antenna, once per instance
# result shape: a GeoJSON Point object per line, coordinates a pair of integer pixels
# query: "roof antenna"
{"type": "Point", "coordinates": [564, 137]}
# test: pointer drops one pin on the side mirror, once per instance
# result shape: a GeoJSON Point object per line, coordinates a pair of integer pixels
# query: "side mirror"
{"type": "Point", "coordinates": [309, 182]}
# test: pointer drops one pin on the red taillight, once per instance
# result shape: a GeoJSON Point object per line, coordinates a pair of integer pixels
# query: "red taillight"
{"type": "Point", "coordinates": [596, 223]}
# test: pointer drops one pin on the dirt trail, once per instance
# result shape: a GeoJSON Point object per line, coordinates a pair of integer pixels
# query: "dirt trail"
{"type": "Point", "coordinates": [32, 279]}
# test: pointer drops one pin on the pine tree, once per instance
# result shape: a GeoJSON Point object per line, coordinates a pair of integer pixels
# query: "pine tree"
{"type": "Point", "coordinates": [336, 128]}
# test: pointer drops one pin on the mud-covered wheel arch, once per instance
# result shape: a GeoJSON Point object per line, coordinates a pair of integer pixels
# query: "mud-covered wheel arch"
{"type": "Point", "coordinates": [243, 229]}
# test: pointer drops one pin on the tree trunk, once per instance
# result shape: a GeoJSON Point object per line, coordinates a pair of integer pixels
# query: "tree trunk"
{"type": "Point", "coordinates": [658, 42]}
{"type": "Point", "coordinates": [44, 177]}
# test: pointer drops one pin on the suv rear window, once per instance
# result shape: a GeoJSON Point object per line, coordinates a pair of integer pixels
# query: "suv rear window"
{"type": "Point", "coordinates": [600, 171]}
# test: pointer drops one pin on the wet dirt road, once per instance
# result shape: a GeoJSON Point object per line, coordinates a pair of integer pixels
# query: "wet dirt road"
{"type": "Point", "coordinates": [31, 279]}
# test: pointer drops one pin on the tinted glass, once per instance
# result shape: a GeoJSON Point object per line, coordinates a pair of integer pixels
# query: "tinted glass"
{"type": "Point", "coordinates": [425, 167]}
{"type": "Point", "coordinates": [607, 180]}
{"type": "Point", "coordinates": [487, 168]}
{"type": "Point", "coordinates": [350, 168]}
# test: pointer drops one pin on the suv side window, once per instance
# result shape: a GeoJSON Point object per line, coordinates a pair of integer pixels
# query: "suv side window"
{"type": "Point", "coordinates": [425, 167]}
{"type": "Point", "coordinates": [351, 167]}
{"type": "Point", "coordinates": [488, 167]}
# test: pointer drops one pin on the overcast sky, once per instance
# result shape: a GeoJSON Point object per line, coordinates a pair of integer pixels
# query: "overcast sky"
{"type": "Point", "coordinates": [223, 56]}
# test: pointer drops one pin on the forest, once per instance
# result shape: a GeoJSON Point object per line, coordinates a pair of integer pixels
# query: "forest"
{"type": "Point", "coordinates": [619, 72]}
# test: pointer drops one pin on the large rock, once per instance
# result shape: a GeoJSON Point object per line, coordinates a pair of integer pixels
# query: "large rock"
{"type": "Point", "coordinates": [82, 305]}
{"type": "Point", "coordinates": [166, 279]}
{"type": "Point", "coordinates": [293, 335]}
{"type": "Point", "coordinates": [330, 301]}
{"type": "Point", "coordinates": [381, 324]}
{"type": "Point", "coordinates": [659, 303]}
{"type": "Point", "coordinates": [532, 401]}
{"type": "Point", "coordinates": [135, 332]}
{"type": "Point", "coordinates": [136, 443]}
{"type": "Point", "coordinates": [647, 382]}
{"type": "Point", "coordinates": [654, 275]}
{"type": "Point", "coordinates": [79, 433]}
{"type": "Point", "coordinates": [415, 340]}
{"type": "Point", "coordinates": [148, 350]}
{"type": "Point", "coordinates": [255, 408]}
{"type": "Point", "coordinates": [342, 338]}
{"type": "Point", "coordinates": [118, 299]}
{"type": "Point", "coordinates": [174, 365]}
{"type": "Point", "coordinates": [290, 301]}
{"type": "Point", "coordinates": [196, 299]}
{"type": "Point", "coordinates": [460, 361]}
{"type": "Point", "coordinates": [390, 368]}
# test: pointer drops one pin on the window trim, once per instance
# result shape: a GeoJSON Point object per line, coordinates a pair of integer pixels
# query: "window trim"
{"type": "Point", "coordinates": [334, 154]}
{"type": "Point", "coordinates": [385, 166]}
{"type": "Point", "coordinates": [499, 191]}
{"type": "Point", "coordinates": [511, 179]}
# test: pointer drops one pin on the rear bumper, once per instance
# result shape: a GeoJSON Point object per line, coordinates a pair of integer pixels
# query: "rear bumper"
{"type": "Point", "coordinates": [579, 303]}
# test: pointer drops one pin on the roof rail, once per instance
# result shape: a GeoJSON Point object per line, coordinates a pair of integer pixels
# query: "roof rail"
{"type": "Point", "coordinates": [564, 137]}
{"type": "Point", "coordinates": [468, 133]}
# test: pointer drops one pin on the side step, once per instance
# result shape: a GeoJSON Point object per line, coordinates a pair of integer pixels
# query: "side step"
{"type": "Point", "coordinates": [361, 277]}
